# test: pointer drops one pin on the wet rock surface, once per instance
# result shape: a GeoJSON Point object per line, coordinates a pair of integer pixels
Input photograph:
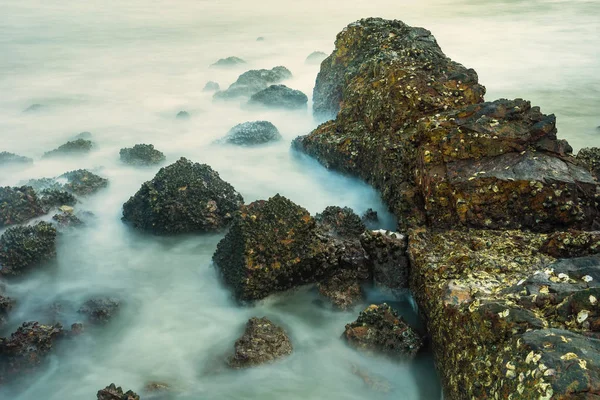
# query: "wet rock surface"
{"type": "Point", "coordinates": [315, 58]}
{"type": "Point", "coordinates": [83, 182]}
{"type": "Point", "coordinates": [252, 133]}
{"type": "Point", "coordinates": [379, 329]}
{"type": "Point", "coordinates": [590, 157]}
{"type": "Point", "coordinates": [7, 158]}
{"type": "Point", "coordinates": [142, 154]}
{"type": "Point", "coordinates": [228, 62]}
{"type": "Point", "coordinates": [112, 392]}
{"type": "Point", "coordinates": [253, 81]}
{"type": "Point", "coordinates": [262, 342]}
{"type": "Point", "coordinates": [211, 86]}
{"type": "Point", "coordinates": [387, 254]}
{"type": "Point", "coordinates": [279, 96]}
{"type": "Point", "coordinates": [100, 310]}
{"type": "Point", "coordinates": [24, 247]}
{"type": "Point", "coordinates": [340, 221]}
{"type": "Point", "coordinates": [75, 147]}
{"type": "Point", "coordinates": [183, 197]}
{"type": "Point", "coordinates": [18, 205]}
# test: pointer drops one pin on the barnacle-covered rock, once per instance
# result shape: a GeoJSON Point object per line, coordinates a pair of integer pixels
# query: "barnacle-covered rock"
{"type": "Point", "coordinates": [67, 219]}
{"type": "Point", "coordinates": [340, 221]}
{"type": "Point", "coordinates": [183, 197]}
{"type": "Point", "coordinates": [83, 182]}
{"type": "Point", "coordinates": [142, 154]}
{"type": "Point", "coordinates": [279, 96]}
{"type": "Point", "coordinates": [253, 81]}
{"type": "Point", "coordinates": [370, 219]}
{"type": "Point", "coordinates": [18, 205]}
{"type": "Point", "coordinates": [100, 310]}
{"type": "Point", "coordinates": [24, 247]}
{"type": "Point", "coordinates": [252, 133]}
{"type": "Point", "coordinates": [263, 342]}
{"type": "Point", "coordinates": [388, 258]}
{"type": "Point", "coordinates": [379, 329]}
{"type": "Point", "coordinates": [590, 157]}
{"type": "Point", "coordinates": [572, 244]}
{"type": "Point", "coordinates": [75, 147]}
{"type": "Point", "coordinates": [7, 158]}
{"type": "Point", "coordinates": [112, 392]}
{"type": "Point", "coordinates": [52, 198]}
{"type": "Point", "coordinates": [228, 62]}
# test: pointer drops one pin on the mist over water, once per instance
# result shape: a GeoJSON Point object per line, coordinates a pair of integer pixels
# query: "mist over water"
{"type": "Point", "coordinates": [123, 69]}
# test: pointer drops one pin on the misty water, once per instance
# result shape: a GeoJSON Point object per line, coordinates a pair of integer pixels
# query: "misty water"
{"type": "Point", "coordinates": [123, 69]}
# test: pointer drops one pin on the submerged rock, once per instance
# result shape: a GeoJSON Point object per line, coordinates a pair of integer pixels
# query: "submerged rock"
{"type": "Point", "coordinates": [184, 197]}
{"type": "Point", "coordinates": [253, 81]}
{"type": "Point", "coordinates": [112, 392]}
{"type": "Point", "coordinates": [67, 219]}
{"type": "Point", "coordinates": [316, 57]}
{"type": "Point", "coordinates": [370, 219]}
{"type": "Point", "coordinates": [83, 182]}
{"type": "Point", "coordinates": [228, 62]}
{"type": "Point", "coordinates": [141, 154]}
{"type": "Point", "coordinates": [182, 115]}
{"type": "Point", "coordinates": [260, 39]}
{"type": "Point", "coordinates": [7, 158]}
{"type": "Point", "coordinates": [100, 310]}
{"type": "Point", "coordinates": [590, 157]}
{"type": "Point", "coordinates": [252, 133]}
{"type": "Point", "coordinates": [389, 261]}
{"type": "Point", "coordinates": [18, 205]}
{"type": "Point", "coordinates": [263, 342]}
{"type": "Point", "coordinates": [23, 247]}
{"type": "Point", "coordinates": [75, 147]}
{"type": "Point", "coordinates": [211, 86]}
{"type": "Point", "coordinates": [379, 329]}
{"type": "Point", "coordinates": [279, 96]}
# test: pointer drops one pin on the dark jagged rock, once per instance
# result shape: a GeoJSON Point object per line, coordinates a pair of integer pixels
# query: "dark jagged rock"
{"type": "Point", "coordinates": [83, 182]}
{"type": "Point", "coordinates": [590, 157]}
{"type": "Point", "coordinates": [263, 342]}
{"type": "Point", "coordinates": [184, 197]}
{"type": "Point", "coordinates": [228, 62]}
{"type": "Point", "coordinates": [52, 198]}
{"type": "Point", "coordinates": [23, 247]}
{"type": "Point", "coordinates": [370, 219]}
{"type": "Point", "coordinates": [379, 329]}
{"type": "Point", "coordinates": [182, 115]}
{"type": "Point", "coordinates": [112, 392]}
{"type": "Point", "coordinates": [252, 133]}
{"type": "Point", "coordinates": [572, 244]}
{"type": "Point", "coordinates": [6, 304]}
{"type": "Point", "coordinates": [27, 349]}
{"type": "Point", "coordinates": [316, 57]}
{"type": "Point", "coordinates": [100, 310]}
{"type": "Point", "coordinates": [33, 108]}
{"type": "Point", "coordinates": [279, 96]}
{"type": "Point", "coordinates": [18, 205]}
{"type": "Point", "coordinates": [7, 158]}
{"type": "Point", "coordinates": [211, 86]}
{"type": "Point", "coordinates": [388, 258]}
{"type": "Point", "coordinates": [142, 154]}
{"type": "Point", "coordinates": [253, 81]}
{"type": "Point", "coordinates": [75, 147]}
{"type": "Point", "coordinates": [340, 221]}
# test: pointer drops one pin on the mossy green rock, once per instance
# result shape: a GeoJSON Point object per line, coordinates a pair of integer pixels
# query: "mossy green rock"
{"type": "Point", "coordinates": [253, 81]}
{"type": "Point", "coordinates": [7, 158]}
{"type": "Point", "coordinates": [183, 197]}
{"type": "Point", "coordinates": [141, 154]}
{"type": "Point", "coordinates": [18, 205]}
{"type": "Point", "coordinates": [83, 182]}
{"type": "Point", "coordinates": [75, 147]}
{"type": "Point", "coordinates": [590, 158]}
{"type": "Point", "coordinates": [24, 247]}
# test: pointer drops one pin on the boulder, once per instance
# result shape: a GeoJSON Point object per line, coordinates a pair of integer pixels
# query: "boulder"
{"type": "Point", "coordinates": [211, 86]}
{"type": "Point", "coordinates": [315, 58]}
{"type": "Point", "coordinates": [6, 304]}
{"type": "Point", "coordinates": [590, 157]}
{"type": "Point", "coordinates": [75, 147]}
{"type": "Point", "coordinates": [24, 247]}
{"type": "Point", "coordinates": [181, 115]}
{"type": "Point", "coordinates": [83, 182]}
{"type": "Point", "coordinates": [141, 154]}
{"type": "Point", "coordinates": [279, 96]}
{"type": "Point", "coordinates": [7, 158]}
{"type": "Point", "coordinates": [42, 184]}
{"type": "Point", "coordinates": [252, 133]}
{"type": "Point", "coordinates": [67, 219]}
{"type": "Point", "coordinates": [100, 310]}
{"type": "Point", "coordinates": [379, 329]}
{"type": "Point", "coordinates": [253, 81]}
{"type": "Point", "coordinates": [228, 62]}
{"type": "Point", "coordinates": [389, 261]}
{"type": "Point", "coordinates": [572, 244]}
{"type": "Point", "coordinates": [183, 197]}
{"type": "Point", "coordinates": [260, 39]}
{"type": "Point", "coordinates": [53, 198]}
{"type": "Point", "coordinates": [112, 392]}
{"type": "Point", "coordinates": [263, 342]}
{"type": "Point", "coordinates": [18, 205]}
{"type": "Point", "coordinates": [370, 219]}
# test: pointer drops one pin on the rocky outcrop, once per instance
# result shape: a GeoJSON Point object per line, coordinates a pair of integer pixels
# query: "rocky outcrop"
{"type": "Point", "coordinates": [101, 310]}
{"type": "Point", "coordinates": [24, 247]}
{"type": "Point", "coordinates": [228, 62]}
{"type": "Point", "coordinates": [342, 222]}
{"type": "Point", "coordinates": [53, 198]}
{"type": "Point", "coordinates": [142, 154]}
{"type": "Point", "coordinates": [590, 157]}
{"type": "Point", "coordinates": [388, 258]}
{"type": "Point", "coordinates": [572, 244]}
{"type": "Point", "coordinates": [315, 58]}
{"type": "Point", "coordinates": [279, 96]}
{"type": "Point", "coordinates": [183, 197]}
{"type": "Point", "coordinates": [263, 342]}
{"type": "Point", "coordinates": [18, 205]}
{"type": "Point", "coordinates": [75, 147]}
{"type": "Point", "coordinates": [83, 182]}
{"type": "Point", "coordinates": [7, 158]}
{"type": "Point", "coordinates": [253, 81]}
{"type": "Point", "coordinates": [211, 86]}
{"type": "Point", "coordinates": [379, 329]}
{"type": "Point", "coordinates": [252, 133]}
{"type": "Point", "coordinates": [112, 392]}
{"type": "Point", "coordinates": [33, 108]}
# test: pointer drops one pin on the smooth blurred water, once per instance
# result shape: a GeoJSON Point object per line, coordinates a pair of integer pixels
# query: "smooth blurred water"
{"type": "Point", "coordinates": [123, 69]}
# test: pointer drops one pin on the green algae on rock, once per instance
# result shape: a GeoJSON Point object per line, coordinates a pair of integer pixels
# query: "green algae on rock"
{"type": "Point", "coordinates": [183, 197]}
{"type": "Point", "coordinates": [142, 154]}
{"type": "Point", "coordinates": [75, 147]}
{"type": "Point", "coordinates": [18, 205]}
{"type": "Point", "coordinates": [252, 133]}
{"type": "Point", "coordinates": [24, 247]}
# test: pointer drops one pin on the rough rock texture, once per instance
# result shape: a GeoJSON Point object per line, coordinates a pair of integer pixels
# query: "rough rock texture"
{"type": "Point", "coordinates": [211, 86]}
{"type": "Point", "coordinates": [23, 247]}
{"type": "Point", "coordinates": [141, 154]}
{"type": "Point", "coordinates": [112, 392]}
{"type": "Point", "coordinates": [83, 182]}
{"type": "Point", "coordinates": [590, 157]}
{"type": "Point", "coordinates": [75, 147]}
{"type": "Point", "coordinates": [387, 254]}
{"type": "Point", "coordinates": [33, 108]}
{"type": "Point", "coordinates": [67, 219]}
{"type": "Point", "coordinates": [51, 198]}
{"type": "Point", "coordinates": [340, 221]}
{"type": "Point", "coordinates": [100, 310]}
{"type": "Point", "coordinates": [6, 304]}
{"type": "Point", "coordinates": [18, 205]}
{"type": "Point", "coordinates": [183, 197]}
{"type": "Point", "coordinates": [315, 58]}
{"type": "Point", "coordinates": [228, 62]}
{"type": "Point", "coordinates": [253, 81]}
{"type": "Point", "coordinates": [379, 329]}
{"type": "Point", "coordinates": [263, 342]}
{"type": "Point", "coordinates": [279, 96]}
{"type": "Point", "coordinates": [7, 158]}
{"type": "Point", "coordinates": [572, 244]}
{"type": "Point", "coordinates": [83, 135]}
{"type": "Point", "coordinates": [252, 133]}
{"type": "Point", "coordinates": [370, 219]}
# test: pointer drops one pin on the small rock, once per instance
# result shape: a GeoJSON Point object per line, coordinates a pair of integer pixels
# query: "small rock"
{"type": "Point", "coordinates": [75, 147]}
{"type": "Point", "coordinates": [183, 115]}
{"type": "Point", "coordinates": [263, 342]}
{"type": "Point", "coordinates": [253, 81]}
{"type": "Point", "coordinates": [340, 221]}
{"type": "Point", "coordinates": [153, 387]}
{"type": "Point", "coordinates": [315, 58]}
{"type": "Point", "coordinates": [33, 108]}
{"type": "Point", "coordinates": [211, 86]}
{"type": "Point", "coordinates": [260, 39]}
{"type": "Point", "coordinates": [82, 182]}
{"type": "Point", "coordinates": [252, 133]}
{"type": "Point", "coordinates": [7, 158]}
{"type": "Point", "coordinates": [279, 96]}
{"type": "Point", "coordinates": [376, 383]}
{"type": "Point", "coordinates": [112, 392]}
{"type": "Point", "coordinates": [590, 157]}
{"type": "Point", "coordinates": [142, 154]}
{"type": "Point", "coordinates": [100, 310]}
{"type": "Point", "coordinates": [228, 62]}
{"type": "Point", "coordinates": [83, 135]}
{"type": "Point", "coordinates": [342, 289]}
{"type": "Point", "coordinates": [23, 247]}
{"type": "Point", "coordinates": [18, 205]}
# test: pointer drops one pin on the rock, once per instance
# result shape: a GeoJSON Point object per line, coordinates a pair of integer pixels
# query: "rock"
{"type": "Point", "coordinates": [52, 198]}
{"type": "Point", "coordinates": [341, 222]}
{"type": "Point", "coordinates": [154, 387]}
{"type": "Point", "coordinates": [42, 184]}
{"type": "Point", "coordinates": [18, 205]}
{"type": "Point", "coordinates": [390, 264]}
{"type": "Point", "coordinates": [33, 108]}
{"type": "Point", "coordinates": [83, 182]}
{"type": "Point", "coordinates": [228, 62]}
{"type": "Point", "coordinates": [263, 342]}
{"type": "Point", "coordinates": [23, 247]}
{"type": "Point", "coordinates": [370, 219]}
{"type": "Point", "coordinates": [142, 154]}
{"type": "Point", "coordinates": [183, 197]}
{"type": "Point", "coordinates": [342, 289]}
{"type": "Point", "coordinates": [260, 39]}
{"type": "Point", "coordinates": [252, 133]}
{"type": "Point", "coordinates": [590, 157]}
{"type": "Point", "coordinates": [379, 329]}
{"type": "Point", "coordinates": [315, 58]}
{"type": "Point", "coordinates": [83, 135]}
{"type": "Point", "coordinates": [27, 349]}
{"type": "Point", "coordinates": [100, 310]}
{"type": "Point", "coordinates": [6, 305]}
{"type": "Point", "coordinates": [7, 158]}
{"type": "Point", "coordinates": [376, 383]}
{"type": "Point", "coordinates": [67, 219]}
{"type": "Point", "coordinates": [112, 392]}
{"type": "Point", "coordinates": [211, 86]}
{"type": "Point", "coordinates": [182, 115]}
{"type": "Point", "coordinates": [572, 244]}
{"type": "Point", "coordinates": [279, 96]}
{"type": "Point", "coordinates": [252, 82]}
{"type": "Point", "coordinates": [75, 147]}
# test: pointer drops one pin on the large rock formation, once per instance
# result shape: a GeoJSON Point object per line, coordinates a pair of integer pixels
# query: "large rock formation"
{"type": "Point", "coordinates": [18, 205]}
{"type": "Point", "coordinates": [253, 81]}
{"type": "Point", "coordinates": [23, 247]}
{"type": "Point", "coordinates": [183, 197]}
{"type": "Point", "coordinates": [100, 310]}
